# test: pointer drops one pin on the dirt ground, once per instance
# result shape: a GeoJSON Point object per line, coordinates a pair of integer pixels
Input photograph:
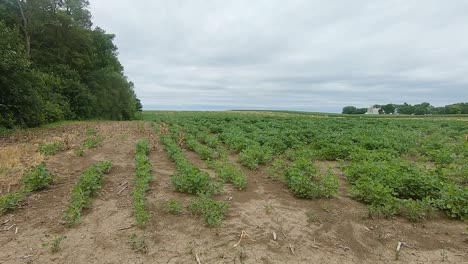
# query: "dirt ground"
{"type": "Point", "coordinates": [307, 231]}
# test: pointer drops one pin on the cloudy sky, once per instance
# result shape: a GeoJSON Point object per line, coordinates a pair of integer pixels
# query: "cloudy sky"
{"type": "Point", "coordinates": [296, 54]}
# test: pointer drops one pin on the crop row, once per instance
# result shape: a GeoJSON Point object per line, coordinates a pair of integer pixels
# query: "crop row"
{"type": "Point", "coordinates": [216, 158]}
{"type": "Point", "coordinates": [87, 185]}
{"type": "Point", "coordinates": [190, 179]}
{"type": "Point", "coordinates": [36, 178]}
{"type": "Point", "coordinates": [143, 177]}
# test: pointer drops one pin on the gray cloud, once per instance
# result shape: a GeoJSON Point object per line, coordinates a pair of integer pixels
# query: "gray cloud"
{"type": "Point", "coordinates": [303, 55]}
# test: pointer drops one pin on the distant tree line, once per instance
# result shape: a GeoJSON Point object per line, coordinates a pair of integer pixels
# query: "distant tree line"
{"type": "Point", "coordinates": [407, 109]}
{"type": "Point", "coordinates": [54, 66]}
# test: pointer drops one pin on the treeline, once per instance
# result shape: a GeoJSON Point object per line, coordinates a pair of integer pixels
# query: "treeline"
{"type": "Point", "coordinates": [54, 66]}
{"type": "Point", "coordinates": [407, 109]}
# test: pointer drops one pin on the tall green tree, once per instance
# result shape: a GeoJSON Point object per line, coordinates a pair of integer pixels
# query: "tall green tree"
{"type": "Point", "coordinates": [54, 66]}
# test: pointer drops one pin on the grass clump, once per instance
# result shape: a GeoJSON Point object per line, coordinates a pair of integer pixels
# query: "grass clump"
{"type": "Point", "coordinates": [55, 244]}
{"type": "Point", "coordinates": [174, 207]}
{"type": "Point", "coordinates": [143, 177]}
{"type": "Point", "coordinates": [87, 185]}
{"type": "Point", "coordinates": [49, 149]}
{"type": "Point", "coordinates": [213, 212]}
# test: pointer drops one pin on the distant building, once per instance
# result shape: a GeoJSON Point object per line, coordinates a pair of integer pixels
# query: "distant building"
{"type": "Point", "coordinates": [372, 110]}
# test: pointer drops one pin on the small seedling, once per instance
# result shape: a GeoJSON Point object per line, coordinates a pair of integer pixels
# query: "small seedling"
{"type": "Point", "coordinates": [55, 244]}
{"type": "Point", "coordinates": [268, 208]}
{"type": "Point", "coordinates": [174, 207]}
{"type": "Point", "coordinates": [444, 256]}
{"type": "Point", "coordinates": [51, 148]}
{"type": "Point", "coordinates": [311, 217]}
{"type": "Point", "coordinates": [10, 201]}
{"type": "Point", "coordinates": [37, 178]}
{"type": "Point", "coordinates": [79, 151]}
{"type": "Point", "coordinates": [138, 244]}
{"type": "Point", "coordinates": [91, 131]}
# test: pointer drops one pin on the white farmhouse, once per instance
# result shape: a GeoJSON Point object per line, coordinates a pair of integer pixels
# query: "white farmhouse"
{"type": "Point", "coordinates": [372, 110]}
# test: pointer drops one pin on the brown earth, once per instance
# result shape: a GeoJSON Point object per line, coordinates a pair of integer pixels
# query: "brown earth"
{"type": "Point", "coordinates": [308, 231]}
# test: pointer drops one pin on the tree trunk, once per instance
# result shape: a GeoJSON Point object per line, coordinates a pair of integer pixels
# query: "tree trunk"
{"type": "Point", "coordinates": [27, 38]}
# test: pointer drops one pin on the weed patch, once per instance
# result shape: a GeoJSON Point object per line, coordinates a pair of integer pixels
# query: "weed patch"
{"type": "Point", "coordinates": [213, 212]}
{"type": "Point", "coordinates": [174, 207]}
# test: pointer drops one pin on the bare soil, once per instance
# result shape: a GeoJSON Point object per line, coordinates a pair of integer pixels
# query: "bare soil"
{"type": "Point", "coordinates": [335, 230]}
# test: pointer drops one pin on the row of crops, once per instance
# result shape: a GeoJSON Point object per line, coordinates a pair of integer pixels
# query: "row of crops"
{"type": "Point", "coordinates": [407, 167]}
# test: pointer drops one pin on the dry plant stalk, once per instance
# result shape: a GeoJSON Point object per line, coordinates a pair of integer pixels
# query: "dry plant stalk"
{"type": "Point", "coordinates": [242, 235]}
{"type": "Point", "coordinates": [163, 129]}
{"type": "Point", "coordinates": [180, 140]}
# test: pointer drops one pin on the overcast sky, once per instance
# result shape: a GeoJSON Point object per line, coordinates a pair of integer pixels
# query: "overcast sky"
{"type": "Point", "coordinates": [298, 55]}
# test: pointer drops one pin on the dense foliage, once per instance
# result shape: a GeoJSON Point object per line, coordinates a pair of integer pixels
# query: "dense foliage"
{"type": "Point", "coordinates": [408, 109]}
{"type": "Point", "coordinates": [397, 166]}
{"type": "Point", "coordinates": [54, 66]}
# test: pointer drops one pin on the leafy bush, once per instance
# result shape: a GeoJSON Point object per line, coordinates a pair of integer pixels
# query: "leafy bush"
{"type": "Point", "coordinates": [86, 186]}
{"type": "Point", "coordinates": [213, 212]}
{"type": "Point", "coordinates": [371, 191]}
{"type": "Point", "coordinates": [193, 180]}
{"type": "Point", "coordinates": [174, 207]}
{"type": "Point", "coordinates": [230, 172]}
{"type": "Point", "coordinates": [255, 155]}
{"type": "Point", "coordinates": [454, 200]}
{"type": "Point", "coordinates": [51, 148]}
{"type": "Point", "coordinates": [37, 178]}
{"type": "Point", "coordinates": [10, 201]}
{"type": "Point", "coordinates": [304, 180]}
